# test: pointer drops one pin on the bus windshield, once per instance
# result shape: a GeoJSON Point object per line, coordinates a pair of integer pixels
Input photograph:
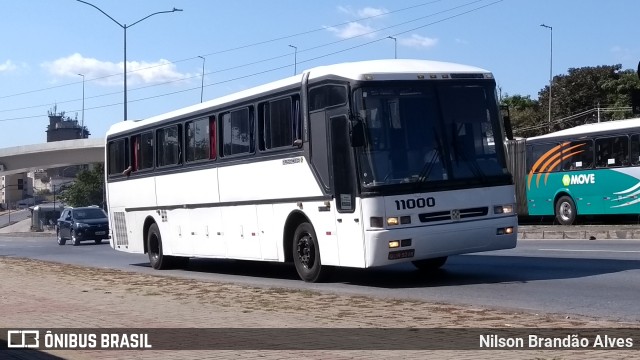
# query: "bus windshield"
{"type": "Point", "coordinates": [430, 135]}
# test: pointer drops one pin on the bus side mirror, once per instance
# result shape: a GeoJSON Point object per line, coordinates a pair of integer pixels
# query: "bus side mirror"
{"type": "Point", "coordinates": [357, 133]}
{"type": "Point", "coordinates": [635, 101]}
{"type": "Point", "coordinates": [506, 120]}
{"type": "Point", "coordinates": [507, 128]}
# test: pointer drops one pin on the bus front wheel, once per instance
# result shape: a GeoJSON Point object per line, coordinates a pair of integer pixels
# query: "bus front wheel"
{"type": "Point", "coordinates": [565, 210]}
{"type": "Point", "coordinates": [306, 254]}
{"type": "Point", "coordinates": [430, 264]}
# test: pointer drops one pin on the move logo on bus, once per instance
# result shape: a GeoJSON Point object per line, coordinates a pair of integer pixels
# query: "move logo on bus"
{"type": "Point", "coordinates": [580, 179]}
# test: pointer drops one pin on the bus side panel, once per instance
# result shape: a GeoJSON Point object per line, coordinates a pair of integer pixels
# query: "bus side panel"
{"type": "Point", "coordinates": [241, 232]}
{"type": "Point", "coordinates": [266, 232]}
{"type": "Point", "coordinates": [350, 231]}
{"type": "Point", "coordinates": [622, 191]}
{"type": "Point", "coordinates": [126, 229]}
{"type": "Point", "coordinates": [268, 180]}
{"type": "Point", "coordinates": [272, 181]}
{"type": "Point", "coordinates": [179, 192]}
{"type": "Point", "coordinates": [206, 232]}
{"type": "Point", "coordinates": [581, 186]}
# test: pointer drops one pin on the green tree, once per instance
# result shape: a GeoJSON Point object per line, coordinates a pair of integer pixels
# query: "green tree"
{"type": "Point", "coordinates": [577, 95]}
{"type": "Point", "coordinates": [525, 115]}
{"type": "Point", "coordinates": [88, 188]}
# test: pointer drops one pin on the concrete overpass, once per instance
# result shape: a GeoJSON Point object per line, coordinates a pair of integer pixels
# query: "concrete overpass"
{"type": "Point", "coordinates": [20, 159]}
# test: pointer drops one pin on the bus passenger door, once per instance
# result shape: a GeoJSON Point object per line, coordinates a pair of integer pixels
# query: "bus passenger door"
{"type": "Point", "coordinates": [349, 226]}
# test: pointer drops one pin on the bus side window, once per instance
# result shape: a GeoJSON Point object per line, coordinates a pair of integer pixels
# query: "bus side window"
{"type": "Point", "coordinates": [612, 152]}
{"type": "Point", "coordinates": [581, 155]}
{"type": "Point", "coordinates": [145, 155]}
{"type": "Point", "coordinates": [621, 151]}
{"type": "Point", "coordinates": [327, 96]}
{"type": "Point", "coordinates": [634, 150]}
{"type": "Point", "coordinates": [117, 156]}
{"type": "Point", "coordinates": [169, 148]}
{"type": "Point", "coordinates": [197, 140]}
{"type": "Point", "coordinates": [277, 123]}
{"type": "Point", "coordinates": [237, 132]}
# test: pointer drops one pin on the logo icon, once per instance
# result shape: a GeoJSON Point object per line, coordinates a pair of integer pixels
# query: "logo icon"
{"type": "Point", "coordinates": [23, 338]}
{"type": "Point", "coordinates": [566, 180]}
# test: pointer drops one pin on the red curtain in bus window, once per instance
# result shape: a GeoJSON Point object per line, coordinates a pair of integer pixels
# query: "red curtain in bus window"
{"type": "Point", "coordinates": [212, 137]}
{"type": "Point", "coordinates": [136, 150]}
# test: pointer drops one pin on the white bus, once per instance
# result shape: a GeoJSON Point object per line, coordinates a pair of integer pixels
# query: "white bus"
{"type": "Point", "coordinates": [354, 165]}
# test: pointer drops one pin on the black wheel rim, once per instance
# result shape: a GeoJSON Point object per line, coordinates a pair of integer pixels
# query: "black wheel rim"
{"type": "Point", "coordinates": [306, 251]}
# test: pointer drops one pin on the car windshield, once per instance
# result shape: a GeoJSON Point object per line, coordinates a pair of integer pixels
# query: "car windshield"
{"type": "Point", "coordinates": [84, 214]}
{"type": "Point", "coordinates": [429, 133]}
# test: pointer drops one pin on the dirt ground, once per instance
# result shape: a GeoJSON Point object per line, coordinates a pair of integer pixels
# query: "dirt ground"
{"type": "Point", "coordinates": [40, 294]}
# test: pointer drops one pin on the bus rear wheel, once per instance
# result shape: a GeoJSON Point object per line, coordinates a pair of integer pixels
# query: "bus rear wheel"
{"type": "Point", "coordinates": [430, 264]}
{"type": "Point", "coordinates": [306, 254]}
{"type": "Point", "coordinates": [157, 259]}
{"type": "Point", "coordinates": [565, 210]}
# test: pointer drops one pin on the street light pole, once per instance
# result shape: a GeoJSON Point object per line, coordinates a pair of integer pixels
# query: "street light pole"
{"type": "Point", "coordinates": [395, 46]}
{"type": "Point", "coordinates": [125, 27]}
{"type": "Point", "coordinates": [295, 59]}
{"type": "Point", "coordinates": [550, 69]}
{"type": "Point", "coordinates": [82, 128]}
{"type": "Point", "coordinates": [202, 84]}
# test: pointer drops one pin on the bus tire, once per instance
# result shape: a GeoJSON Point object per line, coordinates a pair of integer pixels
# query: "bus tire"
{"type": "Point", "coordinates": [157, 259]}
{"type": "Point", "coordinates": [430, 264]}
{"type": "Point", "coordinates": [306, 254]}
{"type": "Point", "coordinates": [565, 210]}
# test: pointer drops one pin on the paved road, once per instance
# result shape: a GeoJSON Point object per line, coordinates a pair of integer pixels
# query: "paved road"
{"type": "Point", "coordinates": [592, 278]}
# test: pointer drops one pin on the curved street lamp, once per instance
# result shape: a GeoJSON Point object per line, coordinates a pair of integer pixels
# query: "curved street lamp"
{"type": "Point", "coordinates": [295, 59]}
{"type": "Point", "coordinates": [202, 83]}
{"type": "Point", "coordinates": [395, 46]}
{"type": "Point", "coordinates": [550, 69]}
{"type": "Point", "coordinates": [125, 27]}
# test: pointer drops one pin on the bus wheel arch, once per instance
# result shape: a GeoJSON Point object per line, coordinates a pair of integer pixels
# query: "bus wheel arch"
{"type": "Point", "coordinates": [293, 221]}
{"type": "Point", "coordinates": [564, 208]}
{"type": "Point", "coordinates": [145, 232]}
{"type": "Point", "coordinates": [301, 246]}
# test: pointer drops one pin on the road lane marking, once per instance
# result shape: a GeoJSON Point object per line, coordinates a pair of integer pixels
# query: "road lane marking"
{"type": "Point", "coordinates": [592, 250]}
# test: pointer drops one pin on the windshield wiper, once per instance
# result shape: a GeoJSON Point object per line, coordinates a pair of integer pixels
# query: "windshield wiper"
{"type": "Point", "coordinates": [423, 176]}
{"type": "Point", "coordinates": [472, 164]}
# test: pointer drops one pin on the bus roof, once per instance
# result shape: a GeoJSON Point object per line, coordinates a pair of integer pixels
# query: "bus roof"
{"type": "Point", "coordinates": [389, 69]}
{"type": "Point", "coordinates": [602, 127]}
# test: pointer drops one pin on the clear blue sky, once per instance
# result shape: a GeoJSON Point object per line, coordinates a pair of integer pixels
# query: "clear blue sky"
{"type": "Point", "coordinates": [47, 43]}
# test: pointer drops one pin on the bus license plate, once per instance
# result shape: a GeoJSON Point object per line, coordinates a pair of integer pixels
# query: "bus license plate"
{"type": "Point", "coordinates": [401, 254]}
{"type": "Point", "coordinates": [100, 232]}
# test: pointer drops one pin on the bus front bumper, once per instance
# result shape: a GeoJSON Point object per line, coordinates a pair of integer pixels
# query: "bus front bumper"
{"type": "Point", "coordinates": [425, 242]}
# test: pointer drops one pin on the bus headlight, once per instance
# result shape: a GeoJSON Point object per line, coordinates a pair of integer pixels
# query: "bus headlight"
{"type": "Point", "coordinates": [392, 221]}
{"type": "Point", "coordinates": [503, 209]}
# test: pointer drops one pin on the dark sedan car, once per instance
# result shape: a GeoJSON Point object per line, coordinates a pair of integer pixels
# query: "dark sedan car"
{"type": "Point", "coordinates": [81, 224]}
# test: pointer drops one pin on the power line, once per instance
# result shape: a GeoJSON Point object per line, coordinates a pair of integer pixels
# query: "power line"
{"type": "Point", "coordinates": [272, 69]}
{"type": "Point", "coordinates": [575, 116]}
{"type": "Point", "coordinates": [233, 49]}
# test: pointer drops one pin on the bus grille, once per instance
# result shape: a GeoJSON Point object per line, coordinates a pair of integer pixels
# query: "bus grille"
{"type": "Point", "coordinates": [120, 229]}
{"type": "Point", "coordinates": [453, 214]}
